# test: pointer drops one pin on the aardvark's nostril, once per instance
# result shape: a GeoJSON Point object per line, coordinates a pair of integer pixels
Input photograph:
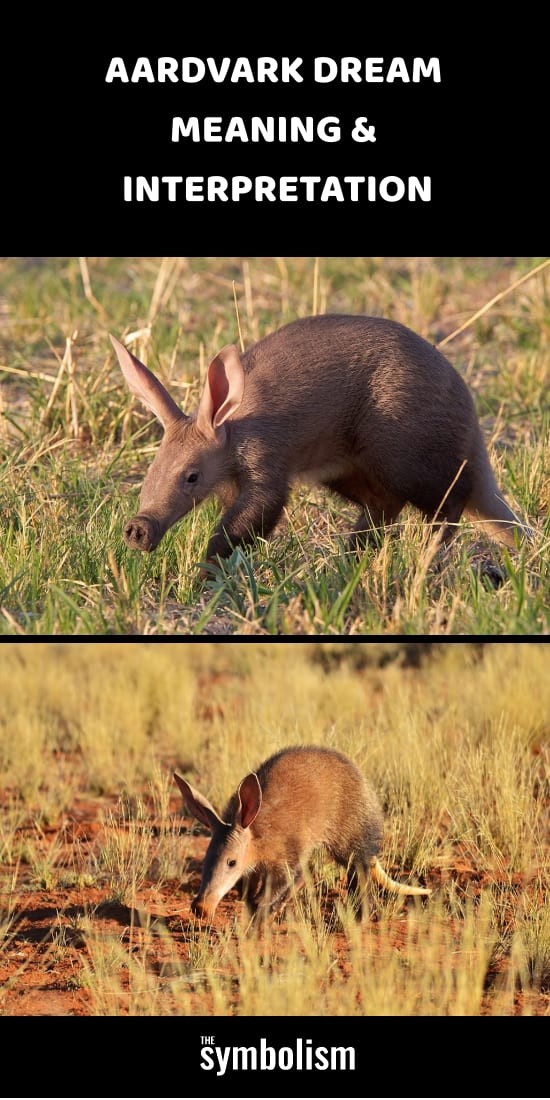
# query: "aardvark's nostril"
{"type": "Point", "coordinates": [142, 533]}
{"type": "Point", "coordinates": [134, 532]}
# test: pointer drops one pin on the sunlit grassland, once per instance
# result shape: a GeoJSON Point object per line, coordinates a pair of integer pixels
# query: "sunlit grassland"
{"type": "Point", "coordinates": [457, 748]}
{"type": "Point", "coordinates": [74, 447]}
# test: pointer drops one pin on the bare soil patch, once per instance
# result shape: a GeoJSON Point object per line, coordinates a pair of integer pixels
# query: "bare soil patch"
{"type": "Point", "coordinates": [46, 956]}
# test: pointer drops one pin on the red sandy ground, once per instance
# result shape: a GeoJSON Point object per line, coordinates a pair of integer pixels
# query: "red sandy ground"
{"type": "Point", "coordinates": [42, 959]}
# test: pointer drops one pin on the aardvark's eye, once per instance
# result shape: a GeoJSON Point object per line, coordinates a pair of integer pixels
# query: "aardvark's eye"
{"type": "Point", "coordinates": [192, 478]}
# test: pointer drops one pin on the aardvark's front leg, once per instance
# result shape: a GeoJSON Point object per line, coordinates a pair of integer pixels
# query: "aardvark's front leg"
{"type": "Point", "coordinates": [255, 512]}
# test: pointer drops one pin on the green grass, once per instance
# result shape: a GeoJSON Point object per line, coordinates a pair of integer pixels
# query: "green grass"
{"type": "Point", "coordinates": [74, 447]}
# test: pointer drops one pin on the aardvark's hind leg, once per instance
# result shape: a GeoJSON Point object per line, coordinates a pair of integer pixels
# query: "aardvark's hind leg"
{"type": "Point", "coordinates": [377, 506]}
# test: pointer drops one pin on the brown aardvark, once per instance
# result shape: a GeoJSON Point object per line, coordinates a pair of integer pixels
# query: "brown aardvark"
{"type": "Point", "coordinates": [361, 405]}
{"type": "Point", "coordinates": [299, 800]}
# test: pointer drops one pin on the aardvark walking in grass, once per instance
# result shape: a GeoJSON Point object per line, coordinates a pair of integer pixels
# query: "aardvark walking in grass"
{"type": "Point", "coordinates": [361, 405]}
{"type": "Point", "coordinates": [299, 800]}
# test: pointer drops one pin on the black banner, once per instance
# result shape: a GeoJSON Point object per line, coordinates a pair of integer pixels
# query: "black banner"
{"type": "Point", "coordinates": [184, 143]}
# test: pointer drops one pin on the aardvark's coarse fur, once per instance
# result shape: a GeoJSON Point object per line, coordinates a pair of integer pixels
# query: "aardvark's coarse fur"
{"type": "Point", "coordinates": [298, 800]}
{"type": "Point", "coordinates": [361, 405]}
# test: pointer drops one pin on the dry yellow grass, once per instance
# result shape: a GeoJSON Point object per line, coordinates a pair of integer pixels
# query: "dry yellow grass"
{"type": "Point", "coordinates": [457, 747]}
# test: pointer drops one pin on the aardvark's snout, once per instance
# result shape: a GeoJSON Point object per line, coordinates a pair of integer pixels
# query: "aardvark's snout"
{"type": "Point", "coordinates": [142, 533]}
{"type": "Point", "coordinates": [202, 911]}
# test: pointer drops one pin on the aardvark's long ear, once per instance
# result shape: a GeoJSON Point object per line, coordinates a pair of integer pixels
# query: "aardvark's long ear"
{"type": "Point", "coordinates": [223, 390]}
{"type": "Point", "coordinates": [250, 797]}
{"type": "Point", "coordinates": [143, 383]}
{"type": "Point", "coordinates": [198, 805]}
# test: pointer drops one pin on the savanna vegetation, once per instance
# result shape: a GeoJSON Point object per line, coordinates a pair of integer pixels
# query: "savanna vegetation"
{"type": "Point", "coordinates": [74, 447]}
{"type": "Point", "coordinates": [99, 862]}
